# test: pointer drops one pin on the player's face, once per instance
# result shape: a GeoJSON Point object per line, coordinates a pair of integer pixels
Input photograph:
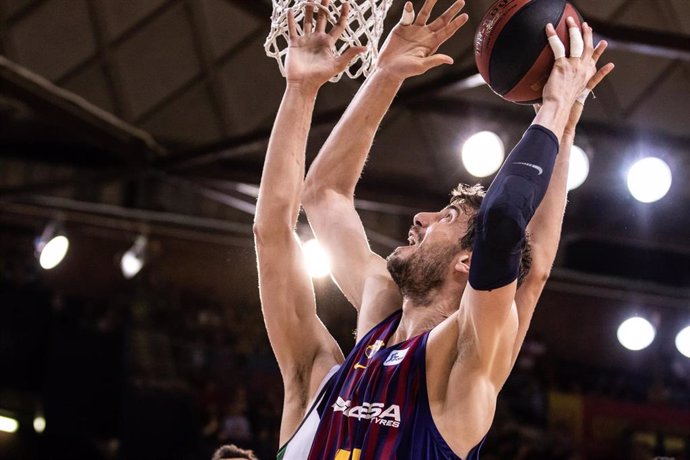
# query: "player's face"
{"type": "Point", "coordinates": [445, 226]}
{"type": "Point", "coordinates": [434, 243]}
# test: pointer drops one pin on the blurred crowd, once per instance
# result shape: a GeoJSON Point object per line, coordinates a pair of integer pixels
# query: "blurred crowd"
{"type": "Point", "coordinates": [164, 375]}
{"type": "Point", "coordinates": [227, 357]}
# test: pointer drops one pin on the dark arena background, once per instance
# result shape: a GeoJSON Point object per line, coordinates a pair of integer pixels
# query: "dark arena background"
{"type": "Point", "coordinates": [137, 129]}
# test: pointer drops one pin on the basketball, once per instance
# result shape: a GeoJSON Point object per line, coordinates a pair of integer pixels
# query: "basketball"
{"type": "Point", "coordinates": [511, 48]}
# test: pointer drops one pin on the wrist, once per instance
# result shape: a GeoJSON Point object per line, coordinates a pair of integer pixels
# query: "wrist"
{"type": "Point", "coordinates": [385, 73]}
{"type": "Point", "coordinates": [303, 88]}
{"type": "Point", "coordinates": [573, 120]}
{"type": "Point", "coordinates": [554, 115]}
{"type": "Point", "coordinates": [557, 101]}
{"type": "Point", "coordinates": [569, 133]}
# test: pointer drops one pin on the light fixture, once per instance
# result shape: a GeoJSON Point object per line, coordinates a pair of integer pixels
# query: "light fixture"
{"type": "Point", "coordinates": [636, 333]}
{"type": "Point", "coordinates": [316, 259]}
{"type": "Point", "coordinates": [8, 424]}
{"type": "Point", "coordinates": [52, 246]}
{"type": "Point", "coordinates": [578, 169]}
{"type": "Point", "coordinates": [649, 179]}
{"type": "Point", "coordinates": [483, 154]}
{"type": "Point", "coordinates": [133, 260]}
{"type": "Point", "coordinates": [39, 424]}
{"type": "Point", "coordinates": [683, 342]}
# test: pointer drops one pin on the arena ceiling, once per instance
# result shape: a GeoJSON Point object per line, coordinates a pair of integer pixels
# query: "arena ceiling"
{"type": "Point", "coordinates": [121, 117]}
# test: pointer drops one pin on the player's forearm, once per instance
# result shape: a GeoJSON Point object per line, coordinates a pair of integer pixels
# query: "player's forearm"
{"type": "Point", "coordinates": [509, 206]}
{"type": "Point", "coordinates": [545, 233]}
{"type": "Point", "coordinates": [281, 181]}
{"type": "Point", "coordinates": [341, 160]}
{"type": "Point", "coordinates": [545, 227]}
{"type": "Point", "coordinates": [554, 114]}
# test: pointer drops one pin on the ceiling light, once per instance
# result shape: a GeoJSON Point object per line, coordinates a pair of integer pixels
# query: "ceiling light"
{"type": "Point", "coordinates": [317, 260]}
{"type": "Point", "coordinates": [8, 425]}
{"type": "Point", "coordinates": [39, 424]}
{"type": "Point", "coordinates": [578, 169]}
{"type": "Point", "coordinates": [133, 260]}
{"type": "Point", "coordinates": [51, 247]}
{"type": "Point", "coordinates": [649, 179]}
{"type": "Point", "coordinates": [483, 154]}
{"type": "Point", "coordinates": [683, 342]}
{"type": "Point", "coordinates": [636, 333]}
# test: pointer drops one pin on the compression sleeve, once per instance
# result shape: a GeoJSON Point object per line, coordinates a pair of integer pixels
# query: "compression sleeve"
{"type": "Point", "coordinates": [507, 208]}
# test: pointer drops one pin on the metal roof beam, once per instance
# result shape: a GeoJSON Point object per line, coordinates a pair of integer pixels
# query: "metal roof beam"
{"type": "Point", "coordinates": [66, 109]}
{"type": "Point", "coordinates": [643, 41]}
{"type": "Point", "coordinates": [512, 113]}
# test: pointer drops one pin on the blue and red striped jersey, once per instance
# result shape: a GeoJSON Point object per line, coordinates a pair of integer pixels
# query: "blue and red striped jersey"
{"type": "Point", "coordinates": [376, 405]}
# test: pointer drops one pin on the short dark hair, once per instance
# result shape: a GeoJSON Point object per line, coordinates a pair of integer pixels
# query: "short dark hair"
{"type": "Point", "coordinates": [232, 451]}
{"type": "Point", "coordinates": [469, 198]}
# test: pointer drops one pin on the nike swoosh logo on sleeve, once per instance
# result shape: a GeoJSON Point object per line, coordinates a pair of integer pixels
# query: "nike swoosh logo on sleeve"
{"type": "Point", "coordinates": [538, 168]}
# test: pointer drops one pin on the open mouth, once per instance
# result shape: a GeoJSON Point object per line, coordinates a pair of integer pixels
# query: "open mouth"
{"type": "Point", "coordinates": [414, 238]}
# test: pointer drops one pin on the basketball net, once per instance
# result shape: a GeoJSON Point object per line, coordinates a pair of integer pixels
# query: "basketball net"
{"type": "Point", "coordinates": [364, 28]}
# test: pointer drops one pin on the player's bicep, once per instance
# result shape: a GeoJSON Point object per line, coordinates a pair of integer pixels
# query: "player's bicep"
{"type": "Point", "coordinates": [357, 270]}
{"type": "Point", "coordinates": [296, 334]}
{"type": "Point", "coordinates": [486, 314]}
{"type": "Point", "coordinates": [526, 299]}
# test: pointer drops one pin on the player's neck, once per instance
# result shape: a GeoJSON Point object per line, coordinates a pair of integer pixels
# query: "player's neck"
{"type": "Point", "coordinates": [423, 314]}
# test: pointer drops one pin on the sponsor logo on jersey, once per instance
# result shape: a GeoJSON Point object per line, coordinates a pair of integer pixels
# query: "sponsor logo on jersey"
{"type": "Point", "coordinates": [369, 352]}
{"type": "Point", "coordinates": [395, 357]}
{"type": "Point", "coordinates": [375, 412]}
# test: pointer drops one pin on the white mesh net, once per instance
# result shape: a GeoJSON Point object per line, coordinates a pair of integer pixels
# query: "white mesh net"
{"type": "Point", "coordinates": [365, 26]}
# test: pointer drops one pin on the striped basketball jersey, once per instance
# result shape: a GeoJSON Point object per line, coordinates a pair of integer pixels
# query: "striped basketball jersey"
{"type": "Point", "coordinates": [376, 407]}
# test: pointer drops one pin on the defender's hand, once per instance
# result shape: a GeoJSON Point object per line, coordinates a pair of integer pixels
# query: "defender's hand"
{"type": "Point", "coordinates": [310, 59]}
{"type": "Point", "coordinates": [410, 47]}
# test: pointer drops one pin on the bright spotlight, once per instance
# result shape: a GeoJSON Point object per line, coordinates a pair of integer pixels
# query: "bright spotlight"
{"type": "Point", "coordinates": [636, 333]}
{"type": "Point", "coordinates": [51, 247]}
{"type": "Point", "coordinates": [483, 154]}
{"type": "Point", "coordinates": [39, 424]}
{"type": "Point", "coordinates": [649, 179]}
{"type": "Point", "coordinates": [683, 342]}
{"type": "Point", "coordinates": [579, 168]}
{"type": "Point", "coordinates": [8, 425]}
{"type": "Point", "coordinates": [317, 261]}
{"type": "Point", "coordinates": [133, 260]}
{"type": "Point", "coordinates": [52, 251]}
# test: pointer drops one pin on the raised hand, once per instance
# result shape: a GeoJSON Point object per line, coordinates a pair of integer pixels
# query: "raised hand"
{"type": "Point", "coordinates": [598, 77]}
{"type": "Point", "coordinates": [576, 111]}
{"type": "Point", "coordinates": [571, 76]}
{"type": "Point", "coordinates": [410, 48]}
{"type": "Point", "coordinates": [310, 59]}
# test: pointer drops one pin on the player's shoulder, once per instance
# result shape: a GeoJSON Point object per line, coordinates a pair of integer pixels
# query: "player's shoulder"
{"type": "Point", "coordinates": [371, 321]}
{"type": "Point", "coordinates": [452, 349]}
{"type": "Point", "coordinates": [377, 306]}
{"type": "Point", "coordinates": [444, 339]}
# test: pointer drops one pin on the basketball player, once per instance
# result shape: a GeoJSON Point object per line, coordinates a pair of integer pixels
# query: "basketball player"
{"type": "Point", "coordinates": [441, 321]}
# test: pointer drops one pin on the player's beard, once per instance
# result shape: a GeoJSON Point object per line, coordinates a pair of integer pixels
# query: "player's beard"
{"type": "Point", "coordinates": [422, 272]}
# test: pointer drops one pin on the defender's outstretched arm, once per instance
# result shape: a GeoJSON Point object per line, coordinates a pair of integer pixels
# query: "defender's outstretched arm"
{"type": "Point", "coordinates": [329, 192]}
{"type": "Point", "coordinates": [303, 347]}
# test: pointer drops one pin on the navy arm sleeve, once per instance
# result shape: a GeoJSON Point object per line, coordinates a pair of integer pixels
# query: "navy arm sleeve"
{"type": "Point", "coordinates": [507, 208]}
